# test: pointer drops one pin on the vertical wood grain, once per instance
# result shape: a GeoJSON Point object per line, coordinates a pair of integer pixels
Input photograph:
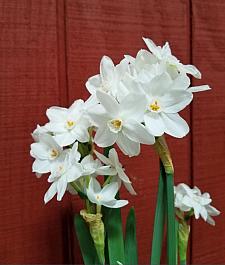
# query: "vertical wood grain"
{"type": "Point", "coordinates": [29, 83]}
{"type": "Point", "coordinates": [114, 28]}
{"type": "Point", "coordinates": [208, 244]}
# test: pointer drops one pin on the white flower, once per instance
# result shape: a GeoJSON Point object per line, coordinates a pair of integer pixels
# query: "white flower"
{"type": "Point", "coordinates": [164, 100]}
{"type": "Point", "coordinates": [91, 166]}
{"type": "Point", "coordinates": [66, 169]}
{"type": "Point", "coordinates": [104, 196]}
{"type": "Point", "coordinates": [68, 125]}
{"type": "Point", "coordinates": [187, 199]}
{"type": "Point", "coordinates": [145, 66]}
{"type": "Point", "coordinates": [121, 123]}
{"type": "Point", "coordinates": [115, 164]}
{"type": "Point", "coordinates": [163, 54]}
{"type": "Point", "coordinates": [45, 152]}
{"type": "Point", "coordinates": [109, 78]}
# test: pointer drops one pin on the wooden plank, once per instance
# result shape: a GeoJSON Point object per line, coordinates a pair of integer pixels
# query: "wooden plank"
{"type": "Point", "coordinates": [30, 231]}
{"type": "Point", "coordinates": [97, 28]}
{"type": "Point", "coordinates": [209, 126]}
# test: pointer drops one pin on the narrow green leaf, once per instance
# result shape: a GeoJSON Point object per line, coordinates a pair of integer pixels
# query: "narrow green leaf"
{"type": "Point", "coordinates": [85, 241]}
{"type": "Point", "coordinates": [159, 220]}
{"type": "Point", "coordinates": [114, 230]}
{"type": "Point", "coordinates": [131, 255]}
{"type": "Point", "coordinates": [171, 231]}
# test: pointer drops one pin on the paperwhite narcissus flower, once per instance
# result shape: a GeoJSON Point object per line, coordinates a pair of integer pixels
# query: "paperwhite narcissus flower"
{"type": "Point", "coordinates": [91, 166]}
{"type": "Point", "coordinates": [65, 170]}
{"type": "Point", "coordinates": [68, 125]}
{"type": "Point", "coordinates": [45, 152]}
{"type": "Point", "coordinates": [115, 164]}
{"type": "Point", "coordinates": [164, 100]}
{"type": "Point", "coordinates": [187, 199]}
{"type": "Point", "coordinates": [109, 78]}
{"type": "Point", "coordinates": [121, 123]}
{"type": "Point", "coordinates": [163, 54]}
{"type": "Point", "coordinates": [104, 196]}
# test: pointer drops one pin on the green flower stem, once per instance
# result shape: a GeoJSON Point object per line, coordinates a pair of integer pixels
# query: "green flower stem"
{"type": "Point", "coordinates": [75, 186]}
{"type": "Point", "coordinates": [183, 236]}
{"type": "Point", "coordinates": [164, 154]}
{"type": "Point", "coordinates": [183, 262]}
{"type": "Point", "coordinates": [107, 181]}
{"type": "Point", "coordinates": [159, 220]}
{"type": "Point", "coordinates": [171, 231]}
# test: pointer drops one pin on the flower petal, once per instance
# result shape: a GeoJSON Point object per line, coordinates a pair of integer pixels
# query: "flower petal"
{"type": "Point", "coordinates": [109, 103]}
{"type": "Point", "coordinates": [61, 188]}
{"type": "Point", "coordinates": [176, 101]}
{"type": "Point", "coordinates": [93, 84]}
{"type": "Point", "coordinates": [137, 132]}
{"type": "Point", "coordinates": [50, 192]}
{"type": "Point", "coordinates": [41, 166]}
{"type": "Point", "coordinates": [65, 139]}
{"type": "Point", "coordinates": [127, 146]}
{"type": "Point", "coordinates": [109, 191]}
{"type": "Point", "coordinates": [191, 69]}
{"type": "Point", "coordinates": [115, 203]}
{"type": "Point", "coordinates": [104, 137]}
{"type": "Point", "coordinates": [154, 123]}
{"type": "Point", "coordinates": [194, 89]}
{"type": "Point", "coordinates": [175, 125]}
{"type": "Point", "coordinates": [103, 158]}
{"type": "Point", "coordinates": [133, 107]}
{"type": "Point", "coordinates": [57, 114]}
{"type": "Point", "coordinates": [106, 68]}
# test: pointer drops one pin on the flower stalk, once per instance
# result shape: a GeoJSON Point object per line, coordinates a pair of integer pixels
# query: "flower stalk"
{"type": "Point", "coordinates": [96, 227]}
{"type": "Point", "coordinates": [162, 149]}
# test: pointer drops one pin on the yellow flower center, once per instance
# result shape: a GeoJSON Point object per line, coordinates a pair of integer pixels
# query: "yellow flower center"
{"type": "Point", "coordinates": [54, 153]}
{"type": "Point", "coordinates": [116, 123]}
{"type": "Point", "coordinates": [154, 106]}
{"type": "Point", "coordinates": [70, 124]}
{"type": "Point", "coordinates": [98, 197]}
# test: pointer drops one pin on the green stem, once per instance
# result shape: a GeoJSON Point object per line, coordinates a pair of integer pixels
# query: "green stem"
{"type": "Point", "coordinates": [183, 262]}
{"type": "Point", "coordinates": [159, 220]}
{"type": "Point", "coordinates": [171, 231]}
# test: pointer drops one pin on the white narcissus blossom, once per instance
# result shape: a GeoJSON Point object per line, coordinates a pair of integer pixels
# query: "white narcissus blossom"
{"type": "Point", "coordinates": [45, 152]}
{"type": "Point", "coordinates": [187, 199]}
{"type": "Point", "coordinates": [163, 54]}
{"type": "Point", "coordinates": [115, 164]}
{"type": "Point", "coordinates": [164, 100]}
{"type": "Point", "coordinates": [68, 125]}
{"type": "Point", "coordinates": [66, 169]}
{"type": "Point", "coordinates": [121, 123]}
{"type": "Point", "coordinates": [109, 78]}
{"type": "Point", "coordinates": [91, 166]}
{"type": "Point", "coordinates": [104, 196]}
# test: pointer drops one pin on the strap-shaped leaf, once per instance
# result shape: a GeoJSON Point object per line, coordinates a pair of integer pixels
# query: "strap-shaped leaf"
{"type": "Point", "coordinates": [114, 230]}
{"type": "Point", "coordinates": [159, 219]}
{"type": "Point", "coordinates": [131, 254]}
{"type": "Point", "coordinates": [85, 241]}
{"type": "Point", "coordinates": [171, 231]}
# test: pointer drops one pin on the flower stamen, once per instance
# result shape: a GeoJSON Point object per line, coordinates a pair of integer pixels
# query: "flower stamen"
{"type": "Point", "coordinates": [154, 106]}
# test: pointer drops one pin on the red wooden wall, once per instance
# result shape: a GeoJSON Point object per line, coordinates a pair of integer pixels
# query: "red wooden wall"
{"type": "Point", "coordinates": [48, 49]}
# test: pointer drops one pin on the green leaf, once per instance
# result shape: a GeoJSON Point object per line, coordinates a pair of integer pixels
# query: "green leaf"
{"type": "Point", "coordinates": [114, 230]}
{"type": "Point", "coordinates": [131, 255]}
{"type": "Point", "coordinates": [159, 219]}
{"type": "Point", "coordinates": [85, 241]}
{"type": "Point", "coordinates": [171, 231]}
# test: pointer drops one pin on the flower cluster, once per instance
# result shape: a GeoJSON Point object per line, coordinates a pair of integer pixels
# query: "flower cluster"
{"type": "Point", "coordinates": [130, 104]}
{"type": "Point", "coordinates": [191, 201]}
